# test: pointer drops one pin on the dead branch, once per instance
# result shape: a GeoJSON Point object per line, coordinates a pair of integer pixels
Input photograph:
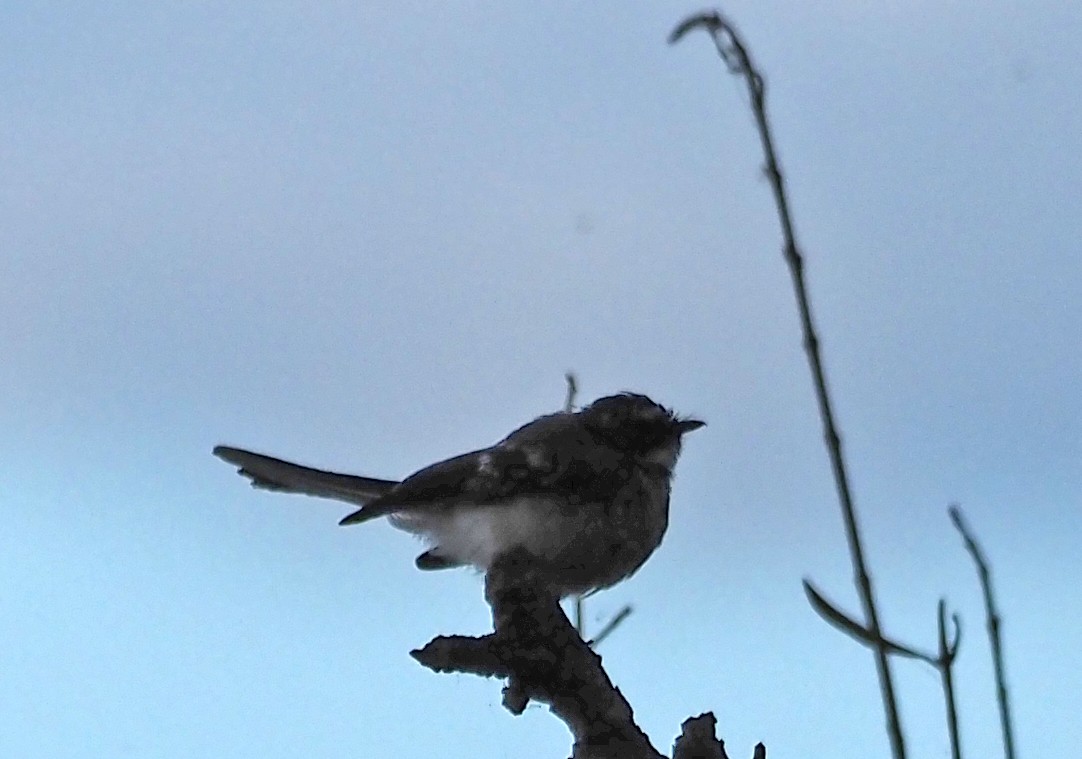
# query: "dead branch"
{"type": "Point", "coordinates": [536, 649]}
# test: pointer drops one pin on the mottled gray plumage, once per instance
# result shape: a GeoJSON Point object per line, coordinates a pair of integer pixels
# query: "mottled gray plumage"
{"type": "Point", "coordinates": [583, 497]}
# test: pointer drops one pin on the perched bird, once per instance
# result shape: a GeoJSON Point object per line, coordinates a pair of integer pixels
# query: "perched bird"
{"type": "Point", "coordinates": [583, 496]}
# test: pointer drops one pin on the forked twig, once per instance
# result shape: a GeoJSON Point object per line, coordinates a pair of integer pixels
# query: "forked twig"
{"type": "Point", "coordinates": [943, 661]}
{"type": "Point", "coordinates": [947, 652]}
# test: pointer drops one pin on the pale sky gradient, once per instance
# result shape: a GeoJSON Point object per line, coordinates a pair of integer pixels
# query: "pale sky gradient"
{"type": "Point", "coordinates": [372, 235]}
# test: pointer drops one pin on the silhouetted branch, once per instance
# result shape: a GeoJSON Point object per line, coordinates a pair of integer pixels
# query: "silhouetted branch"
{"type": "Point", "coordinates": [735, 55]}
{"type": "Point", "coordinates": [697, 740]}
{"type": "Point", "coordinates": [535, 648]}
{"type": "Point", "coordinates": [985, 574]}
{"type": "Point", "coordinates": [947, 652]}
{"type": "Point", "coordinates": [858, 632]}
{"type": "Point", "coordinates": [943, 662]}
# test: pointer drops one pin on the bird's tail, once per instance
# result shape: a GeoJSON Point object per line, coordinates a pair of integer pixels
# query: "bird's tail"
{"type": "Point", "coordinates": [270, 473]}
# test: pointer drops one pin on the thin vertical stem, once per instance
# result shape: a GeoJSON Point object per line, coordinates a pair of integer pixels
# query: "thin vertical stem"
{"type": "Point", "coordinates": [733, 51]}
{"type": "Point", "coordinates": [946, 671]}
{"type": "Point", "coordinates": [985, 575]}
{"type": "Point", "coordinates": [569, 407]}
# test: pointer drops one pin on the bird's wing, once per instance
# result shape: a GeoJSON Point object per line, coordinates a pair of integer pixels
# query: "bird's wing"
{"type": "Point", "coordinates": [549, 459]}
{"type": "Point", "coordinates": [447, 482]}
{"type": "Point", "coordinates": [270, 473]}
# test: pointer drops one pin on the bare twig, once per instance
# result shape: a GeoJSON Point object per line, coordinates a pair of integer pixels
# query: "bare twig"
{"type": "Point", "coordinates": [858, 632]}
{"type": "Point", "coordinates": [943, 661]}
{"type": "Point", "coordinates": [612, 624]}
{"type": "Point", "coordinates": [580, 616]}
{"type": "Point", "coordinates": [572, 392]}
{"type": "Point", "coordinates": [734, 53]}
{"type": "Point", "coordinates": [985, 574]}
{"type": "Point", "coordinates": [947, 652]}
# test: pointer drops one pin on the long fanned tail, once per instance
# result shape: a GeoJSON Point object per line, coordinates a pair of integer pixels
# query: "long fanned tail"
{"type": "Point", "coordinates": [269, 473]}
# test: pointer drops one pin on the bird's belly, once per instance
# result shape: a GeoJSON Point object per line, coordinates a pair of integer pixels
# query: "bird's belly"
{"type": "Point", "coordinates": [574, 549]}
{"type": "Point", "coordinates": [479, 534]}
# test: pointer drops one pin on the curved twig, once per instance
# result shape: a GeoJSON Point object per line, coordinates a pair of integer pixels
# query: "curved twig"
{"type": "Point", "coordinates": [834, 616]}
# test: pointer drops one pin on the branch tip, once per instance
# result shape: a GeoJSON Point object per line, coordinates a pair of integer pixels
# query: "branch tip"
{"type": "Point", "coordinates": [710, 21]}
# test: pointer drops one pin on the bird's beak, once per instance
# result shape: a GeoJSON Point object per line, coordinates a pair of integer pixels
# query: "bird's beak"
{"type": "Point", "coordinates": [688, 425]}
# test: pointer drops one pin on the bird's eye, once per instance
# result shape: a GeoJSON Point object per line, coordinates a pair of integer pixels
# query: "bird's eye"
{"type": "Point", "coordinates": [646, 433]}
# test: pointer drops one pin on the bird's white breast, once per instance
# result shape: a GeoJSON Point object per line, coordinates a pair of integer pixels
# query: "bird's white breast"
{"type": "Point", "coordinates": [477, 534]}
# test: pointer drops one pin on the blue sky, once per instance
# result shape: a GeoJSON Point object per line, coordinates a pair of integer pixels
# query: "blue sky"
{"type": "Point", "coordinates": [368, 236]}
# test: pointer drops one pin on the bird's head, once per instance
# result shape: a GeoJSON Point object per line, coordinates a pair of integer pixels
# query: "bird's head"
{"type": "Point", "coordinates": [637, 425]}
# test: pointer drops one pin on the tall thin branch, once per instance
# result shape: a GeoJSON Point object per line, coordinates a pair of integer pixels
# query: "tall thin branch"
{"type": "Point", "coordinates": [734, 53]}
{"type": "Point", "coordinates": [985, 575]}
